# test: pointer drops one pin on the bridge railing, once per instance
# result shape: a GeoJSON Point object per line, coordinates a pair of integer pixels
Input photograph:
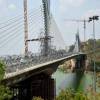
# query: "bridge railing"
{"type": "Point", "coordinates": [20, 63]}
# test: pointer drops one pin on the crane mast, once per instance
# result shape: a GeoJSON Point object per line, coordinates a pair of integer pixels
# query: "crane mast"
{"type": "Point", "coordinates": [84, 21]}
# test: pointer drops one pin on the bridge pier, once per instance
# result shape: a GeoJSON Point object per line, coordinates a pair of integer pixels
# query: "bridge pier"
{"type": "Point", "coordinates": [41, 85]}
{"type": "Point", "coordinates": [80, 62]}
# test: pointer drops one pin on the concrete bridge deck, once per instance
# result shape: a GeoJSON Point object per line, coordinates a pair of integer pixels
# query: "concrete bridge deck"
{"type": "Point", "coordinates": [48, 68]}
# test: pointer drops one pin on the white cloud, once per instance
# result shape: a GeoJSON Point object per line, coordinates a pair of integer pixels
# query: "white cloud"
{"type": "Point", "coordinates": [91, 13]}
{"type": "Point", "coordinates": [12, 6]}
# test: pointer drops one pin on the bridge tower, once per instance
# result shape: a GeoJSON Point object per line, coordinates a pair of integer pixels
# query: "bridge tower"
{"type": "Point", "coordinates": [77, 43]}
{"type": "Point", "coordinates": [25, 27]}
{"type": "Point", "coordinates": [45, 38]}
{"type": "Point", "coordinates": [45, 44]}
{"type": "Point", "coordinates": [79, 61]}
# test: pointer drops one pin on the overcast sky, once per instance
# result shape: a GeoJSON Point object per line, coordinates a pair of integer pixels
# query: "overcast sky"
{"type": "Point", "coordinates": [62, 10]}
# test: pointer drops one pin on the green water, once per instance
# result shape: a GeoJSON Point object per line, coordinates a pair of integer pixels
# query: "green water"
{"type": "Point", "coordinates": [77, 81]}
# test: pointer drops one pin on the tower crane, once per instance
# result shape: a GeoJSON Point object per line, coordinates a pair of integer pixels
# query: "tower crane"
{"type": "Point", "coordinates": [78, 21]}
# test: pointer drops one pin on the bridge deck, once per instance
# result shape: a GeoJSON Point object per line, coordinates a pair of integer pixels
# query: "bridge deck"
{"type": "Point", "coordinates": [31, 68]}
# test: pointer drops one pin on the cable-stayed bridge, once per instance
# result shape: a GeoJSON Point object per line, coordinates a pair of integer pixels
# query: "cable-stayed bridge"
{"type": "Point", "coordinates": [28, 72]}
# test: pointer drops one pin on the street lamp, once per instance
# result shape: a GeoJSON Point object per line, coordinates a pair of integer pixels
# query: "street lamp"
{"type": "Point", "coordinates": [93, 18]}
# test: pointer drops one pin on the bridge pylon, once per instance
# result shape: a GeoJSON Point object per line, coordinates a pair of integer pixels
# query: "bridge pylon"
{"type": "Point", "coordinates": [77, 43]}
{"type": "Point", "coordinates": [25, 27]}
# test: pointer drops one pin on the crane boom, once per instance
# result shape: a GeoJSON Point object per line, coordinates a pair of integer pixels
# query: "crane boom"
{"type": "Point", "coordinates": [80, 20]}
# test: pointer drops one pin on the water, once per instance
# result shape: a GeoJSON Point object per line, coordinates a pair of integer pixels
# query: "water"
{"type": "Point", "coordinates": [78, 81]}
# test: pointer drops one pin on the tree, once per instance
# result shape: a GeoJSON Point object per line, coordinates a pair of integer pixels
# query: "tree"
{"type": "Point", "coordinates": [37, 98]}
{"type": "Point", "coordinates": [71, 48]}
{"type": "Point", "coordinates": [5, 93]}
{"type": "Point", "coordinates": [69, 94]}
{"type": "Point", "coordinates": [2, 70]}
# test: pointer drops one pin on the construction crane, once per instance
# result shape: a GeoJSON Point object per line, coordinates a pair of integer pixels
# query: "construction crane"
{"type": "Point", "coordinates": [78, 21]}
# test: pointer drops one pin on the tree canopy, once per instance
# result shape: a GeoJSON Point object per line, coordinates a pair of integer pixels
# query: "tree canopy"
{"type": "Point", "coordinates": [2, 70]}
{"type": "Point", "coordinates": [5, 93]}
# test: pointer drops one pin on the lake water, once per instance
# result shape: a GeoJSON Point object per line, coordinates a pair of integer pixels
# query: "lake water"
{"type": "Point", "coordinates": [78, 81]}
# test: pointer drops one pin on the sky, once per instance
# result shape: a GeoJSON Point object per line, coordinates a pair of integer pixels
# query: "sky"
{"type": "Point", "coordinates": [76, 9]}
{"type": "Point", "coordinates": [62, 11]}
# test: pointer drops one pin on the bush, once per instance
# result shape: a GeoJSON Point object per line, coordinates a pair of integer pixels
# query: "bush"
{"type": "Point", "coordinates": [37, 98]}
{"type": "Point", "coordinates": [2, 70]}
{"type": "Point", "coordinates": [5, 93]}
{"type": "Point", "coordinates": [70, 94]}
{"type": "Point", "coordinates": [65, 95]}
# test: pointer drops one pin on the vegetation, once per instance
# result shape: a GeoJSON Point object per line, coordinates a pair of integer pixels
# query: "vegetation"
{"type": "Point", "coordinates": [70, 94]}
{"type": "Point", "coordinates": [71, 48]}
{"type": "Point", "coordinates": [37, 98]}
{"type": "Point", "coordinates": [5, 93]}
{"type": "Point", "coordinates": [67, 94]}
{"type": "Point", "coordinates": [2, 70]}
{"type": "Point", "coordinates": [88, 48]}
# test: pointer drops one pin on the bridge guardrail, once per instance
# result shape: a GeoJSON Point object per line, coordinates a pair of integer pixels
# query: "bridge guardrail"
{"type": "Point", "coordinates": [14, 67]}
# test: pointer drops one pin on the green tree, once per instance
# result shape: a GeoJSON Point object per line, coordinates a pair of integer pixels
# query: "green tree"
{"type": "Point", "coordinates": [65, 95]}
{"type": "Point", "coordinates": [71, 48]}
{"type": "Point", "coordinates": [2, 70]}
{"type": "Point", "coordinates": [70, 94]}
{"type": "Point", "coordinates": [98, 43]}
{"type": "Point", "coordinates": [5, 93]}
{"type": "Point", "coordinates": [37, 98]}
